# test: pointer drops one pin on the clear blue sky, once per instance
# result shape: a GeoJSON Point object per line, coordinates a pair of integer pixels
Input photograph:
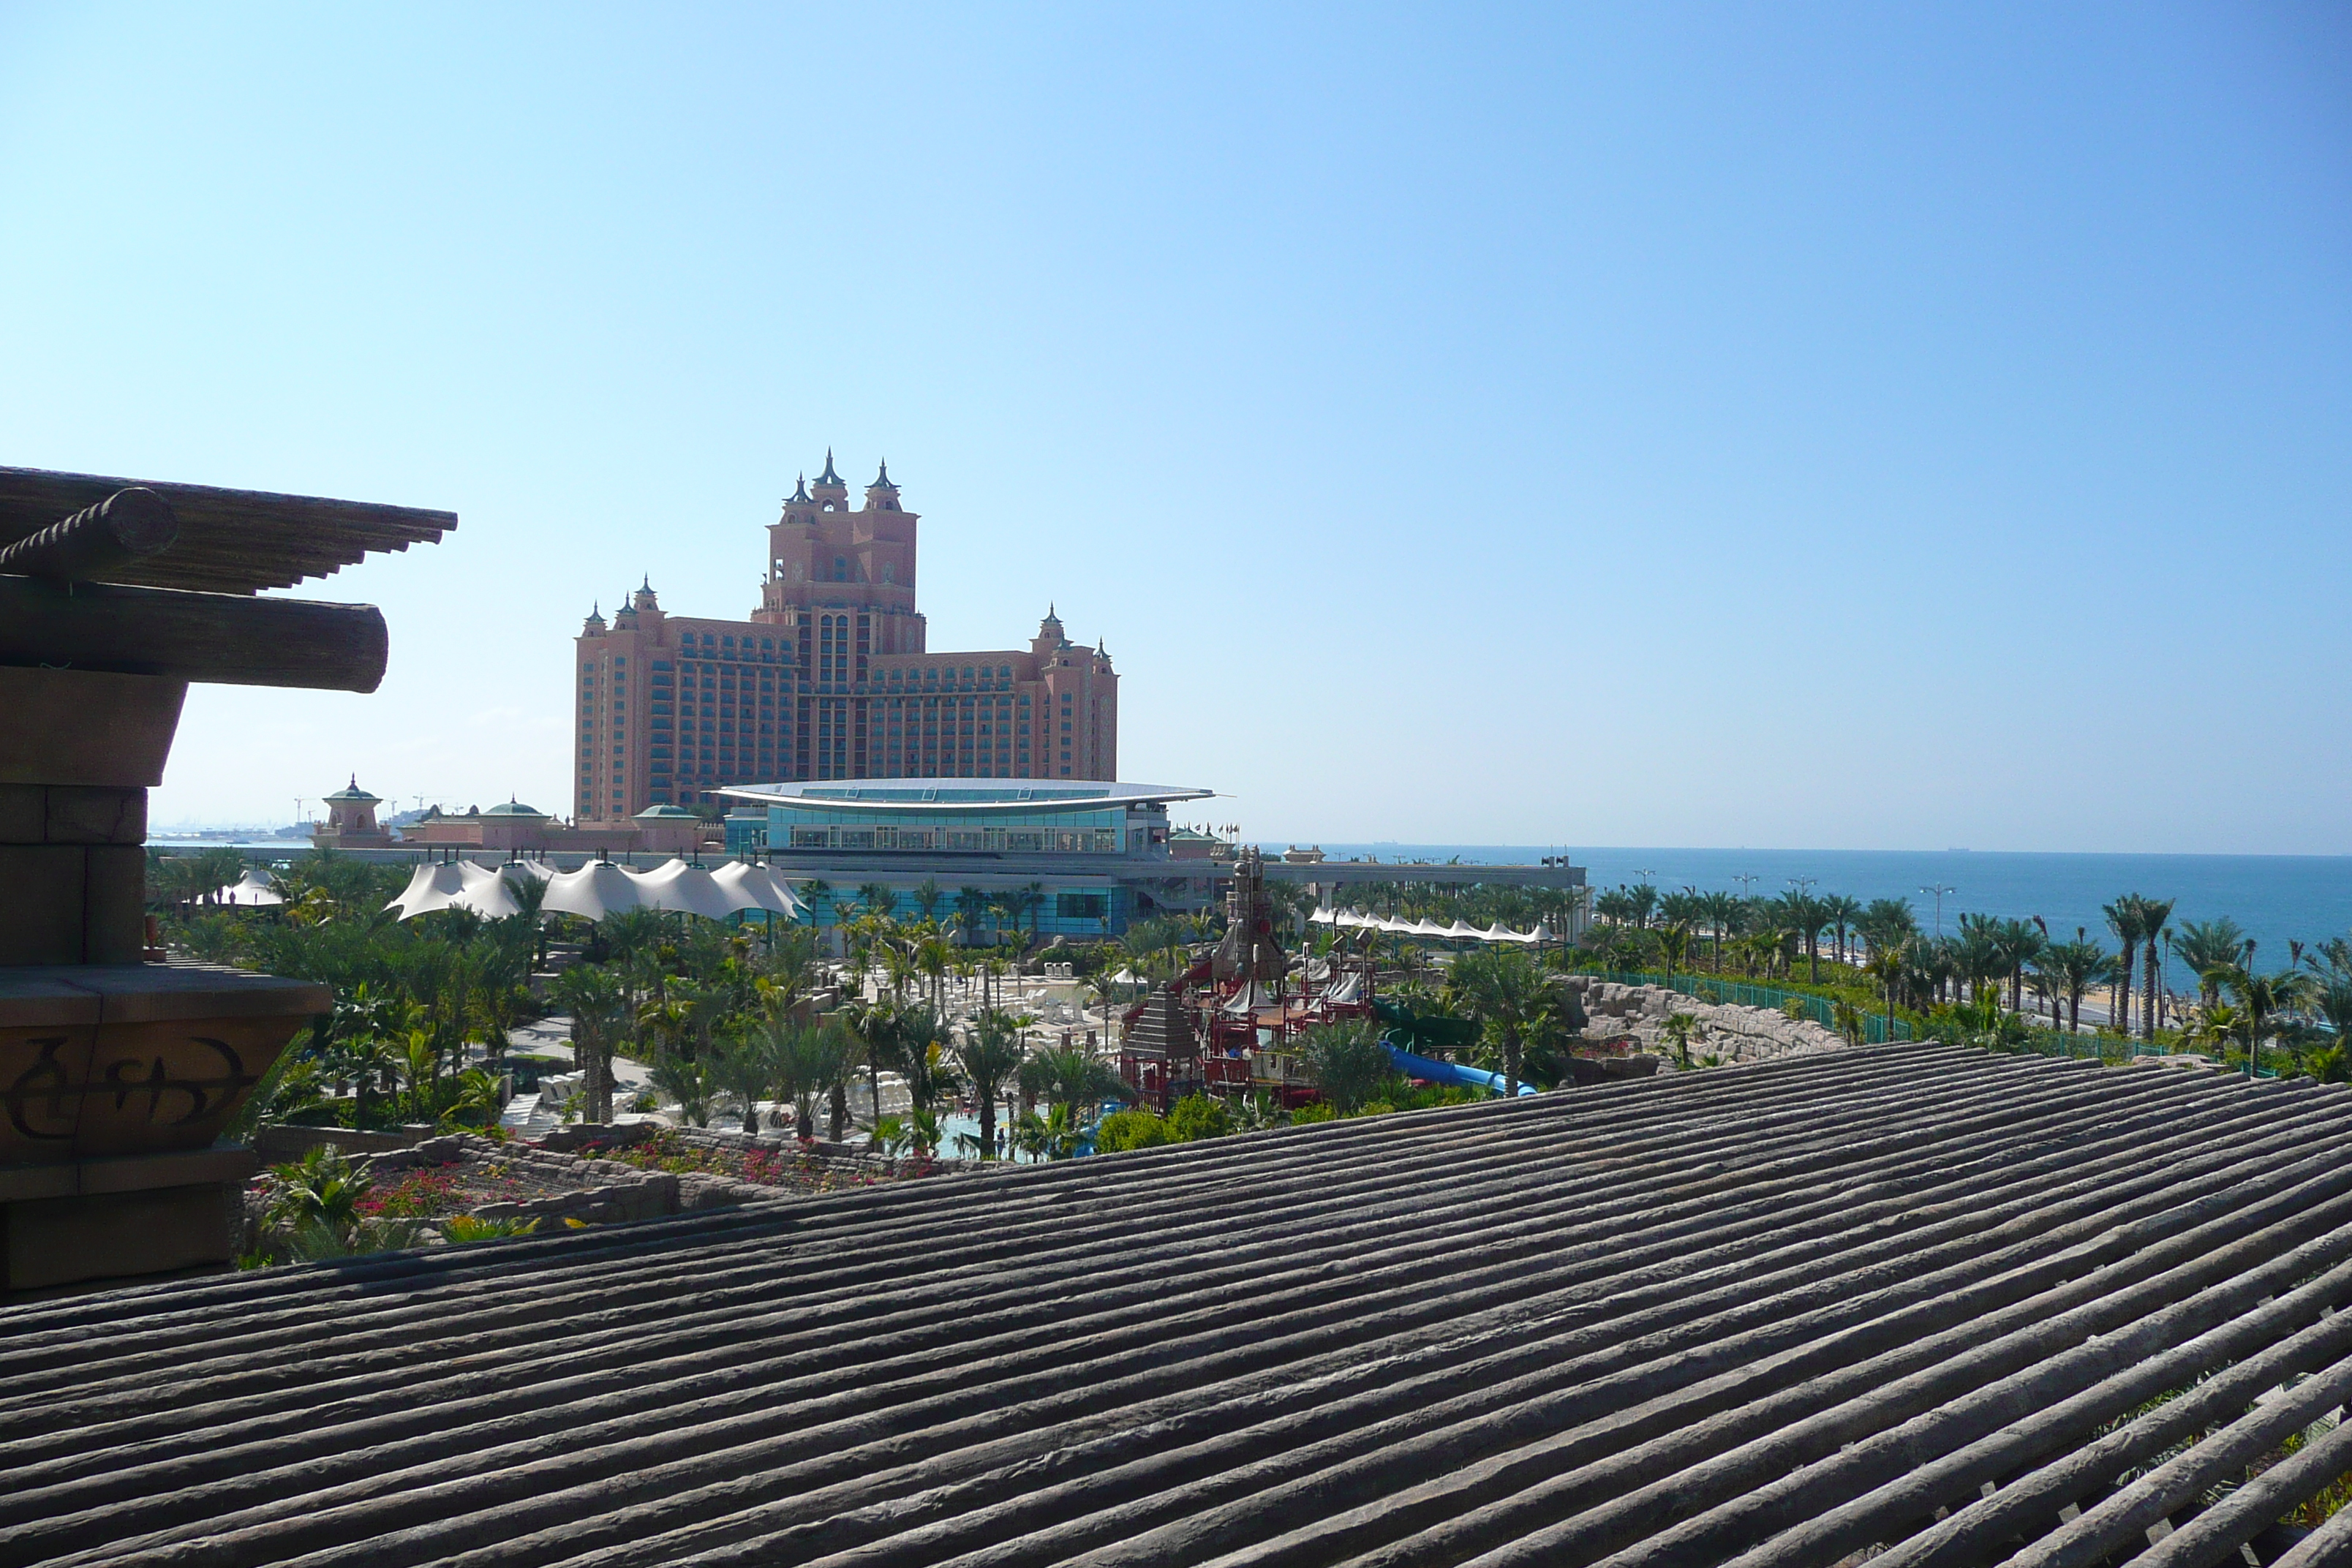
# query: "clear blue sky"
{"type": "Point", "coordinates": [1869, 426]}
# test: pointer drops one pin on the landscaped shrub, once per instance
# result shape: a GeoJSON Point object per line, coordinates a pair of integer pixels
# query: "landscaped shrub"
{"type": "Point", "coordinates": [1124, 1130]}
{"type": "Point", "coordinates": [1197, 1116]}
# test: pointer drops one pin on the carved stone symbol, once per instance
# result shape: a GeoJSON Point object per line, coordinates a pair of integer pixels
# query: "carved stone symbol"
{"type": "Point", "coordinates": [203, 1092]}
{"type": "Point", "coordinates": [46, 1079]}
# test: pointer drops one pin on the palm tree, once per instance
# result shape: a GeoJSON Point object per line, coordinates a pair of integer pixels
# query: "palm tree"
{"type": "Point", "coordinates": [1348, 1061]}
{"type": "Point", "coordinates": [817, 894]}
{"type": "Point", "coordinates": [1068, 1077]}
{"type": "Point", "coordinates": [932, 955]}
{"type": "Point", "coordinates": [1844, 913]}
{"type": "Point", "coordinates": [926, 896]}
{"type": "Point", "coordinates": [874, 1025]}
{"type": "Point", "coordinates": [2125, 918]}
{"type": "Point", "coordinates": [922, 1042]}
{"type": "Point", "coordinates": [2331, 997]}
{"type": "Point", "coordinates": [2020, 943]}
{"type": "Point", "coordinates": [1683, 908]}
{"type": "Point", "coordinates": [789, 968]}
{"type": "Point", "coordinates": [2208, 945]}
{"type": "Point", "coordinates": [1721, 911]}
{"type": "Point", "coordinates": [592, 996]}
{"type": "Point", "coordinates": [2154, 915]}
{"type": "Point", "coordinates": [1614, 905]}
{"type": "Point", "coordinates": [1889, 963]}
{"type": "Point", "coordinates": [2069, 969]}
{"type": "Point", "coordinates": [988, 1054]}
{"type": "Point", "coordinates": [972, 903]}
{"type": "Point", "coordinates": [1507, 991]}
{"type": "Point", "coordinates": [804, 1061]}
{"type": "Point", "coordinates": [746, 1068]}
{"type": "Point", "coordinates": [1674, 944]}
{"type": "Point", "coordinates": [1806, 915]}
{"type": "Point", "coordinates": [687, 1081]}
{"type": "Point", "coordinates": [1979, 951]}
{"type": "Point", "coordinates": [1677, 1031]}
{"type": "Point", "coordinates": [1888, 923]}
{"type": "Point", "coordinates": [362, 1060]}
{"type": "Point", "coordinates": [2259, 999]}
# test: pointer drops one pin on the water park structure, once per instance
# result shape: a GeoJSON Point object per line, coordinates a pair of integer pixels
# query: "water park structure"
{"type": "Point", "coordinates": [1227, 1025]}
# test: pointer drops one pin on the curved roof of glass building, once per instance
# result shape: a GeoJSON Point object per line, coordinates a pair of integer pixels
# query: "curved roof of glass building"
{"type": "Point", "coordinates": [931, 795]}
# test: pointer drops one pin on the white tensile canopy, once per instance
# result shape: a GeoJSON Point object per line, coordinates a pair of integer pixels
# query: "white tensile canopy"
{"type": "Point", "coordinates": [756, 887]}
{"type": "Point", "coordinates": [601, 889]}
{"type": "Point", "coordinates": [597, 890]}
{"type": "Point", "coordinates": [1459, 929]}
{"type": "Point", "coordinates": [685, 890]}
{"type": "Point", "coordinates": [251, 890]}
{"type": "Point", "coordinates": [458, 885]}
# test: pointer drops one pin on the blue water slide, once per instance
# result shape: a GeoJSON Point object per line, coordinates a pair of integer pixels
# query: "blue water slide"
{"type": "Point", "coordinates": [1432, 1071]}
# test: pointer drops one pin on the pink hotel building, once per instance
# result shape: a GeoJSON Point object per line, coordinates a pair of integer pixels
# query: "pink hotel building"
{"type": "Point", "coordinates": [829, 680]}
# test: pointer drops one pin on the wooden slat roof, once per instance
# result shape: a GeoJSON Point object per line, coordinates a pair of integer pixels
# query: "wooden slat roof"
{"type": "Point", "coordinates": [1955, 1307]}
{"type": "Point", "coordinates": [231, 541]}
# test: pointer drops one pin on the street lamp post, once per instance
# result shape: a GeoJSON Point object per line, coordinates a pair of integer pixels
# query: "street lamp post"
{"type": "Point", "coordinates": [1940, 889]}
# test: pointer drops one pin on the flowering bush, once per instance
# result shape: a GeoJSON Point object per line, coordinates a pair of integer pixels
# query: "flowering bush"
{"type": "Point", "coordinates": [419, 1194]}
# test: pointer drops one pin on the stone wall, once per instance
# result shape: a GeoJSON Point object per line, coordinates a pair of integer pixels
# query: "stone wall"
{"type": "Point", "coordinates": [1729, 1033]}
{"type": "Point", "coordinates": [596, 1191]}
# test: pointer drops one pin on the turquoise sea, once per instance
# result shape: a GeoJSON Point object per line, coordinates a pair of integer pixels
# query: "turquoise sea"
{"type": "Point", "coordinates": [2276, 898]}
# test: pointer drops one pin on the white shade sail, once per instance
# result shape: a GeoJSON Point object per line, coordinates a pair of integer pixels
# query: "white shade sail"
{"type": "Point", "coordinates": [756, 887]}
{"type": "Point", "coordinates": [595, 890]}
{"type": "Point", "coordinates": [251, 890]}
{"type": "Point", "coordinates": [598, 890]}
{"type": "Point", "coordinates": [685, 890]}
{"type": "Point", "coordinates": [1347, 918]}
{"type": "Point", "coordinates": [459, 885]}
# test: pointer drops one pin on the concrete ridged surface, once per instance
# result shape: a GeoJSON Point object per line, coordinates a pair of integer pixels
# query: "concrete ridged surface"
{"type": "Point", "coordinates": [1912, 1298]}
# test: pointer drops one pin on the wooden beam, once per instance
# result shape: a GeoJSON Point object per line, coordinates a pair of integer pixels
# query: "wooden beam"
{"type": "Point", "coordinates": [226, 640]}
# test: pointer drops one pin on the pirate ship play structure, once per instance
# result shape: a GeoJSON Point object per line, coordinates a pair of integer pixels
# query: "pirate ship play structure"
{"type": "Point", "coordinates": [1228, 1025]}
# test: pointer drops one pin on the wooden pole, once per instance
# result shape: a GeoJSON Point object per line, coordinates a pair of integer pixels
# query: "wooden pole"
{"type": "Point", "coordinates": [125, 526]}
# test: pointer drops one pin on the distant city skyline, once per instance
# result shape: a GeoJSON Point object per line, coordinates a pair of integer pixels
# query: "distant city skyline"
{"type": "Point", "coordinates": [1883, 428]}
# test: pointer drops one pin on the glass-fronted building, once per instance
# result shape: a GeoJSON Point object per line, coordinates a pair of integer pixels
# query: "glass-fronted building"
{"type": "Point", "coordinates": [1076, 857]}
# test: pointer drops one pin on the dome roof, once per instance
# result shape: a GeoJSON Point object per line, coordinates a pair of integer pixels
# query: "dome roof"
{"type": "Point", "coordinates": [515, 808]}
{"type": "Point", "coordinates": [666, 813]}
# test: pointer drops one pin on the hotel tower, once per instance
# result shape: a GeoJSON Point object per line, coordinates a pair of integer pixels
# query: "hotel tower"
{"type": "Point", "coordinates": [829, 679]}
